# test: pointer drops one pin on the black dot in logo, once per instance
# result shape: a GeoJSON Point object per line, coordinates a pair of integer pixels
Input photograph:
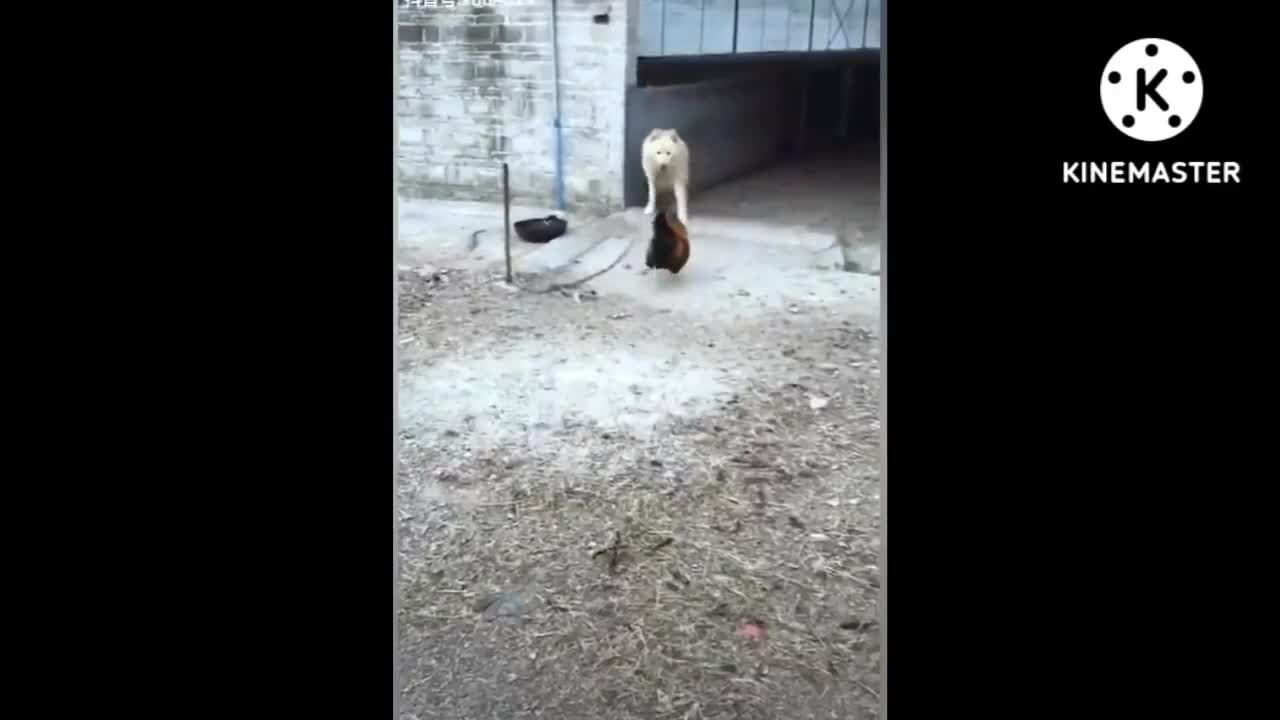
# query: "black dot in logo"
{"type": "Point", "coordinates": [1151, 50]}
{"type": "Point", "coordinates": [1174, 121]}
{"type": "Point", "coordinates": [1127, 120]}
{"type": "Point", "coordinates": [1113, 77]}
{"type": "Point", "coordinates": [1188, 77]}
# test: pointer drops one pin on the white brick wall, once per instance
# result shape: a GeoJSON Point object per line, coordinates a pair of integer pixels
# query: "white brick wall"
{"type": "Point", "coordinates": [476, 89]}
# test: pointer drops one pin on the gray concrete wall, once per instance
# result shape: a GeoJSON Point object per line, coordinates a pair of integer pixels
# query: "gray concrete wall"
{"type": "Point", "coordinates": [476, 89]}
{"type": "Point", "coordinates": [732, 127]}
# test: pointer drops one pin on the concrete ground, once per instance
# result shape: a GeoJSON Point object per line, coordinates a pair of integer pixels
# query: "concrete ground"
{"type": "Point", "coordinates": [727, 414]}
{"type": "Point", "coordinates": [772, 234]}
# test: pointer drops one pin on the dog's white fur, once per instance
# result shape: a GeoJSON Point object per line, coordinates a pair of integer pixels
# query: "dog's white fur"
{"type": "Point", "coordinates": [665, 159]}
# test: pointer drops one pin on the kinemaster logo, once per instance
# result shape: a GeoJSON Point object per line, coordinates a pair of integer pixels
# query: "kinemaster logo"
{"type": "Point", "coordinates": [1152, 90]}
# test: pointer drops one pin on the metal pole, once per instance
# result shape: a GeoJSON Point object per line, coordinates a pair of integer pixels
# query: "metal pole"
{"type": "Point", "coordinates": [702, 23]}
{"type": "Point", "coordinates": [662, 30]}
{"type": "Point", "coordinates": [813, 10]}
{"type": "Point", "coordinates": [506, 217]}
{"type": "Point", "coordinates": [866, 14]}
{"type": "Point", "coordinates": [735, 25]}
{"type": "Point", "coordinates": [559, 130]}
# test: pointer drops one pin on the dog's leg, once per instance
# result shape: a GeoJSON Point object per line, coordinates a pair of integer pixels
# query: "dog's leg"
{"type": "Point", "coordinates": [651, 207]}
{"type": "Point", "coordinates": [682, 203]}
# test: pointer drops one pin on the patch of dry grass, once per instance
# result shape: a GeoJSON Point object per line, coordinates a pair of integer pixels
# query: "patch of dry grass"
{"type": "Point", "coordinates": [603, 576]}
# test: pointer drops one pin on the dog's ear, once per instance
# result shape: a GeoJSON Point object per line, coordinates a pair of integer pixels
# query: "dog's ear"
{"type": "Point", "coordinates": [674, 135]}
{"type": "Point", "coordinates": [653, 134]}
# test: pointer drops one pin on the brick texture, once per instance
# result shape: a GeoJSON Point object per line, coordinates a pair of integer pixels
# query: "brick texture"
{"type": "Point", "coordinates": [476, 89]}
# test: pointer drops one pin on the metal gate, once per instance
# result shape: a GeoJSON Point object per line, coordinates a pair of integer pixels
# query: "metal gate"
{"type": "Point", "coordinates": [720, 27]}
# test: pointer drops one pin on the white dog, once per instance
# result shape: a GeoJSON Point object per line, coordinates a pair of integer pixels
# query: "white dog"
{"type": "Point", "coordinates": [665, 158]}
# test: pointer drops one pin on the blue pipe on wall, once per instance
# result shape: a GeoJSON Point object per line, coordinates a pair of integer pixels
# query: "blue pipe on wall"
{"type": "Point", "coordinates": [559, 135]}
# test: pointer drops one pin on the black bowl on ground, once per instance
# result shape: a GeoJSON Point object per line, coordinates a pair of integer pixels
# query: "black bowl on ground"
{"type": "Point", "coordinates": [541, 230]}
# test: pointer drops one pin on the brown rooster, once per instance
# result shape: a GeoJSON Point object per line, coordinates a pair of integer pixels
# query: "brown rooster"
{"type": "Point", "coordinates": [669, 247]}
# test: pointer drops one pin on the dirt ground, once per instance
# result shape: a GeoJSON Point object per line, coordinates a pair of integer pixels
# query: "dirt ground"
{"type": "Point", "coordinates": [618, 507]}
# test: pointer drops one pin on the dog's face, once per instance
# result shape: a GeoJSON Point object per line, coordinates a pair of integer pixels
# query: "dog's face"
{"type": "Point", "coordinates": [663, 144]}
